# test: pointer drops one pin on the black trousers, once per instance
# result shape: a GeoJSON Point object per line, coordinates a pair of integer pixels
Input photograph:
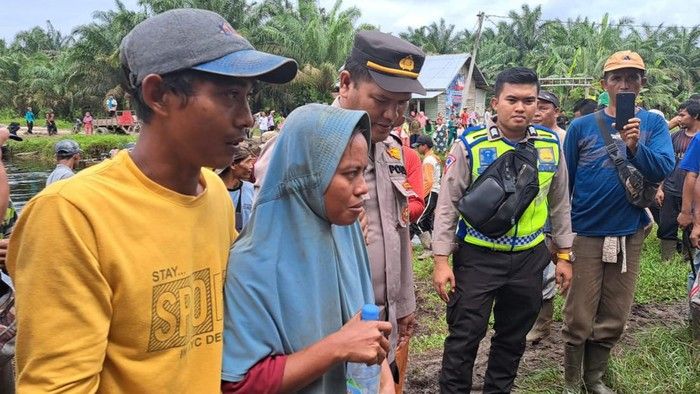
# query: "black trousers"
{"type": "Point", "coordinates": [51, 127]}
{"type": "Point", "coordinates": [30, 126]}
{"type": "Point", "coordinates": [668, 218]}
{"type": "Point", "coordinates": [425, 221]}
{"type": "Point", "coordinates": [514, 281]}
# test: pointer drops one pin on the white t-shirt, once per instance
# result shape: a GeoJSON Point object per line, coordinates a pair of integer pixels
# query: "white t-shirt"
{"type": "Point", "coordinates": [437, 171]}
{"type": "Point", "coordinates": [262, 123]}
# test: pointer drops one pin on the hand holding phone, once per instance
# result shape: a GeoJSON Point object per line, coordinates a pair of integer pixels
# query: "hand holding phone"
{"type": "Point", "coordinates": [630, 134]}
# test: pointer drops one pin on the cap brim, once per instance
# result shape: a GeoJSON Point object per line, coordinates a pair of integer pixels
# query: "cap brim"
{"type": "Point", "coordinates": [252, 64]}
{"type": "Point", "coordinates": [549, 101]}
{"type": "Point", "coordinates": [621, 66]}
{"type": "Point", "coordinates": [397, 84]}
{"type": "Point", "coordinates": [16, 137]}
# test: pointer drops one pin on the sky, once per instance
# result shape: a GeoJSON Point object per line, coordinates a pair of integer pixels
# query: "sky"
{"type": "Point", "coordinates": [392, 16]}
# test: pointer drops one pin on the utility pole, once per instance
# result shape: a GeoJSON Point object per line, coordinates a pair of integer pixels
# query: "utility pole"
{"type": "Point", "coordinates": [472, 61]}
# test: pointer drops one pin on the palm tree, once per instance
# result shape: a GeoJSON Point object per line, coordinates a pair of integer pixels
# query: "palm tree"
{"type": "Point", "coordinates": [94, 69]}
{"type": "Point", "coordinates": [308, 33]}
{"type": "Point", "coordinates": [48, 40]}
{"type": "Point", "coordinates": [11, 62]}
{"type": "Point", "coordinates": [44, 68]}
{"type": "Point", "coordinates": [438, 38]}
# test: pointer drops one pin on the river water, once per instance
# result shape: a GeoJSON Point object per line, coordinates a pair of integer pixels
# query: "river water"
{"type": "Point", "coordinates": [26, 178]}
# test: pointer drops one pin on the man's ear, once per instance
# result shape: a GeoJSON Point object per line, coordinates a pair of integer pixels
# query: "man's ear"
{"type": "Point", "coordinates": [345, 83]}
{"type": "Point", "coordinates": [155, 96]}
{"type": "Point", "coordinates": [494, 102]}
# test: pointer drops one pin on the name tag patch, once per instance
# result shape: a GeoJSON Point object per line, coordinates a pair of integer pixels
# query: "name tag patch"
{"type": "Point", "coordinates": [397, 169]}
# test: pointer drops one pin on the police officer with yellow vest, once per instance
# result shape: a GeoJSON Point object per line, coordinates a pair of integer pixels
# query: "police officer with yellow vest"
{"type": "Point", "coordinates": [499, 250]}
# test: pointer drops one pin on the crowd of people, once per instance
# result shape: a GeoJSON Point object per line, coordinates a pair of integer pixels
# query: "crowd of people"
{"type": "Point", "coordinates": [196, 261]}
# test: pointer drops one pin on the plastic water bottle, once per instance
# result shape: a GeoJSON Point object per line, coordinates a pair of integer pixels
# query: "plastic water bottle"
{"type": "Point", "coordinates": [363, 378]}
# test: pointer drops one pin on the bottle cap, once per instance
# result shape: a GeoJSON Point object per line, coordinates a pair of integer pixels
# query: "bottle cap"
{"type": "Point", "coordinates": [370, 312]}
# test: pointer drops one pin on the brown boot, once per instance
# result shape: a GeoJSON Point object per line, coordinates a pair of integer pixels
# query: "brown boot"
{"type": "Point", "coordinates": [573, 360]}
{"type": "Point", "coordinates": [543, 324]}
{"type": "Point", "coordinates": [668, 249]}
{"type": "Point", "coordinates": [595, 363]}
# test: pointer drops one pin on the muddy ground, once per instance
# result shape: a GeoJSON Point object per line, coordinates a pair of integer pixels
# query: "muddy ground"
{"type": "Point", "coordinates": [424, 368]}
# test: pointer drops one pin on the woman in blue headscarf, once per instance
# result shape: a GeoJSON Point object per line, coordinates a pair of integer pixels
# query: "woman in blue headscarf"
{"type": "Point", "coordinates": [299, 272]}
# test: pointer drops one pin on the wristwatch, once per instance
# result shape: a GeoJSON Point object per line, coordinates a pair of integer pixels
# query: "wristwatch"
{"type": "Point", "coordinates": [570, 256]}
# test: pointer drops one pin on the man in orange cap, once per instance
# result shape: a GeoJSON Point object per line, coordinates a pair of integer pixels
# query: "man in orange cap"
{"type": "Point", "coordinates": [610, 229]}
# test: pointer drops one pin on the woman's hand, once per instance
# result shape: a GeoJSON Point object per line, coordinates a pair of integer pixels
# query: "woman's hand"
{"type": "Point", "coordinates": [362, 341]}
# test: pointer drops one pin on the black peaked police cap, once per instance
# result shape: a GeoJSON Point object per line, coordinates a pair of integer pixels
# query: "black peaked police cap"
{"type": "Point", "coordinates": [392, 62]}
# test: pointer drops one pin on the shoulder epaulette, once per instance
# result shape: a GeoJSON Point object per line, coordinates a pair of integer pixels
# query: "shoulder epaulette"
{"type": "Point", "coordinates": [546, 133]}
{"type": "Point", "coordinates": [471, 134]}
{"type": "Point", "coordinates": [473, 128]}
{"type": "Point", "coordinates": [396, 138]}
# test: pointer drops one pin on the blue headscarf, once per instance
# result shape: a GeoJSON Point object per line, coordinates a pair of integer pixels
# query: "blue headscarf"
{"type": "Point", "coordinates": [293, 278]}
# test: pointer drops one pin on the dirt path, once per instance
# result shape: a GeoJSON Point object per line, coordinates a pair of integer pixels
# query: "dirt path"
{"type": "Point", "coordinates": [424, 368]}
{"type": "Point", "coordinates": [41, 130]}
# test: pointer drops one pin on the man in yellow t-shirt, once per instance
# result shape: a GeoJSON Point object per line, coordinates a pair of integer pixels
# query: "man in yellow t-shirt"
{"type": "Point", "coordinates": [119, 270]}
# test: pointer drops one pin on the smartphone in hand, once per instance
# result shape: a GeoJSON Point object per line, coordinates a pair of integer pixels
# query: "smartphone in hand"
{"type": "Point", "coordinates": [625, 109]}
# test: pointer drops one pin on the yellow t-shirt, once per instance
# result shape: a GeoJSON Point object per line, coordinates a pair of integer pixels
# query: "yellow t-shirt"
{"type": "Point", "coordinates": [119, 284]}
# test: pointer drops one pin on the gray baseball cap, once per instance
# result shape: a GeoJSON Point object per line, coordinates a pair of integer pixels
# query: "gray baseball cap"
{"type": "Point", "coordinates": [197, 39]}
{"type": "Point", "coordinates": [549, 97]}
{"type": "Point", "coordinates": [67, 147]}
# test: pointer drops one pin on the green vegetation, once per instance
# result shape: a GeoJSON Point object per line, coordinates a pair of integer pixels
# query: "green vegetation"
{"type": "Point", "coordinates": [660, 282]}
{"type": "Point", "coordinates": [663, 360]}
{"type": "Point", "coordinates": [545, 380]}
{"type": "Point", "coordinates": [432, 328]}
{"type": "Point", "coordinates": [74, 73]}
{"type": "Point", "coordinates": [93, 146]}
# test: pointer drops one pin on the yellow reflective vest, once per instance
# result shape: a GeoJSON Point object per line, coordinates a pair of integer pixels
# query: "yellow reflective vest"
{"type": "Point", "coordinates": [484, 147]}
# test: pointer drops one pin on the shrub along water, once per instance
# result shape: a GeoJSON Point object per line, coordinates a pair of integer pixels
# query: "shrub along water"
{"type": "Point", "coordinates": [93, 146]}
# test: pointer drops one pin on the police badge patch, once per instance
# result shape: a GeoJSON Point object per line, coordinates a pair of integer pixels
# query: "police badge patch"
{"type": "Point", "coordinates": [448, 162]}
{"type": "Point", "coordinates": [487, 156]}
{"type": "Point", "coordinates": [546, 160]}
{"type": "Point", "coordinates": [545, 155]}
{"type": "Point", "coordinates": [394, 152]}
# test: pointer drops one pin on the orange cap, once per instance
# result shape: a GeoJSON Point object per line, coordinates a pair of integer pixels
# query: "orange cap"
{"type": "Point", "coordinates": [624, 59]}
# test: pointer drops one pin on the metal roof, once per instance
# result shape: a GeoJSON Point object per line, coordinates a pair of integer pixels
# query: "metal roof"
{"type": "Point", "coordinates": [438, 71]}
{"type": "Point", "coordinates": [428, 94]}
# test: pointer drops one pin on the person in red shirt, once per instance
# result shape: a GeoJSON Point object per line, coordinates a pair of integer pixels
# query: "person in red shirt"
{"type": "Point", "coordinates": [414, 176]}
{"type": "Point", "coordinates": [414, 173]}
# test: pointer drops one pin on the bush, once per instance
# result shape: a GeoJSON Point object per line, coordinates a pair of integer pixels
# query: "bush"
{"type": "Point", "coordinates": [93, 146]}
